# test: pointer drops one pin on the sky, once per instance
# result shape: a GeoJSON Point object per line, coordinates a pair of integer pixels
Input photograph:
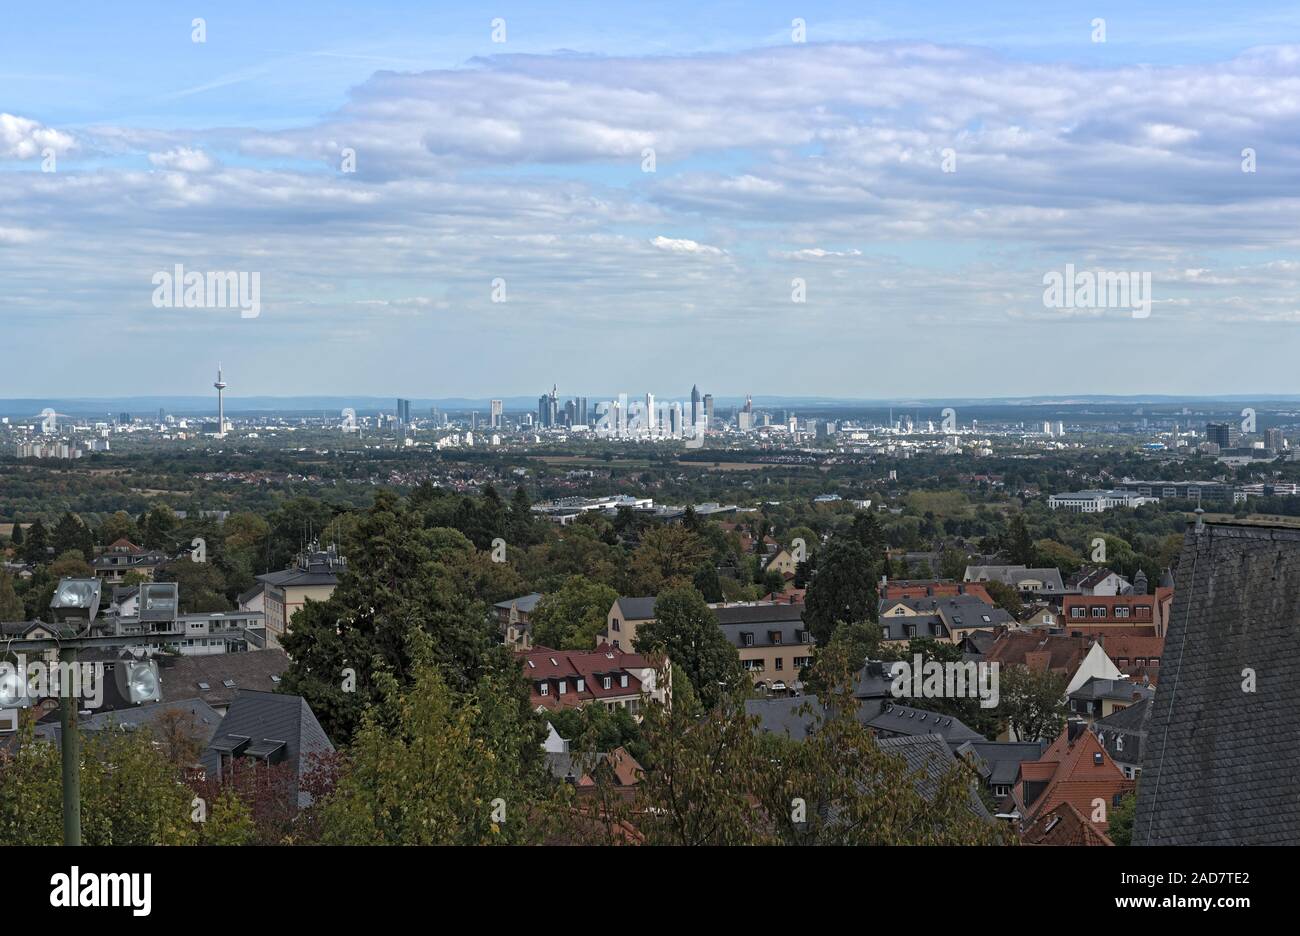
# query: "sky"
{"type": "Point", "coordinates": [801, 199]}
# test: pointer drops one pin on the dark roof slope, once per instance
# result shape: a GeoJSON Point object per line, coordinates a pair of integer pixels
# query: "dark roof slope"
{"type": "Point", "coordinates": [270, 716]}
{"type": "Point", "coordinates": [792, 716]}
{"type": "Point", "coordinates": [255, 669]}
{"type": "Point", "coordinates": [928, 758]}
{"type": "Point", "coordinates": [1220, 764]}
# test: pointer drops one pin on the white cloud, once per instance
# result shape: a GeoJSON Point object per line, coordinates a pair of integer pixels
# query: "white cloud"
{"type": "Point", "coordinates": [23, 138]}
{"type": "Point", "coordinates": [684, 246]}
{"type": "Point", "coordinates": [183, 159]}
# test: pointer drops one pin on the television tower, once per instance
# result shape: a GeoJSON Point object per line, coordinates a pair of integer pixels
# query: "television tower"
{"type": "Point", "coordinates": [221, 404]}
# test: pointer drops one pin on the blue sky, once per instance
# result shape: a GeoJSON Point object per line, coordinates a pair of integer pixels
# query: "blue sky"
{"type": "Point", "coordinates": [522, 161]}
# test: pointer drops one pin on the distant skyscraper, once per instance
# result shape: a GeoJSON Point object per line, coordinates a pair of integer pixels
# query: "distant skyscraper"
{"type": "Point", "coordinates": [651, 414]}
{"type": "Point", "coordinates": [708, 408]}
{"type": "Point", "coordinates": [403, 411]}
{"type": "Point", "coordinates": [1274, 440]}
{"type": "Point", "coordinates": [1224, 435]}
{"type": "Point", "coordinates": [496, 411]}
{"type": "Point", "coordinates": [695, 404]}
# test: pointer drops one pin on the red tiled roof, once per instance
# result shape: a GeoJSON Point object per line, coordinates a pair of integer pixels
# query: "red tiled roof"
{"type": "Point", "coordinates": [544, 665]}
{"type": "Point", "coordinates": [1056, 653]}
{"type": "Point", "coordinates": [1078, 778]}
{"type": "Point", "coordinates": [1063, 825]}
{"type": "Point", "coordinates": [934, 589]}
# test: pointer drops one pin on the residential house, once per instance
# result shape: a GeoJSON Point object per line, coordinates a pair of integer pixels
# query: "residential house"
{"type": "Point", "coordinates": [1074, 769]}
{"type": "Point", "coordinates": [772, 641]}
{"type": "Point", "coordinates": [607, 675]}
{"type": "Point", "coordinates": [1147, 614]}
{"type": "Point", "coordinates": [1101, 698]}
{"type": "Point", "coordinates": [315, 575]}
{"type": "Point", "coordinates": [1098, 581]}
{"type": "Point", "coordinates": [123, 556]}
{"type": "Point", "coordinates": [1123, 735]}
{"type": "Point", "coordinates": [513, 619]}
{"type": "Point", "coordinates": [998, 762]}
{"type": "Point", "coordinates": [948, 619]}
{"type": "Point", "coordinates": [625, 616]}
{"type": "Point", "coordinates": [1031, 583]}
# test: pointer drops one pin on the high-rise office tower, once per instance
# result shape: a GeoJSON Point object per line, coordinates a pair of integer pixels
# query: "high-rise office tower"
{"type": "Point", "coordinates": [621, 425]}
{"type": "Point", "coordinates": [1224, 435]}
{"type": "Point", "coordinates": [1274, 440]}
{"type": "Point", "coordinates": [403, 411]}
{"type": "Point", "coordinates": [651, 414]}
{"type": "Point", "coordinates": [708, 408]}
{"type": "Point", "coordinates": [495, 411]}
{"type": "Point", "coordinates": [695, 404]}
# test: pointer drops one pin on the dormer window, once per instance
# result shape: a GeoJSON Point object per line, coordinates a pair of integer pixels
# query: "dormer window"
{"type": "Point", "coordinates": [746, 639]}
{"type": "Point", "coordinates": [543, 688]}
{"type": "Point", "coordinates": [622, 680]}
{"type": "Point", "coordinates": [606, 682]}
{"type": "Point", "coordinates": [1098, 759]}
{"type": "Point", "coordinates": [582, 684]}
{"type": "Point", "coordinates": [563, 686]}
{"type": "Point", "coordinates": [774, 637]}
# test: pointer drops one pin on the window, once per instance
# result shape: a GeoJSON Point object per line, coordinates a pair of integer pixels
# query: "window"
{"type": "Point", "coordinates": [780, 664]}
{"type": "Point", "coordinates": [774, 637]}
{"type": "Point", "coordinates": [1077, 612]}
{"type": "Point", "coordinates": [582, 685]}
{"type": "Point", "coordinates": [1144, 611]}
{"type": "Point", "coordinates": [1098, 611]}
{"type": "Point", "coordinates": [800, 636]}
{"type": "Point", "coordinates": [746, 639]}
{"type": "Point", "coordinates": [543, 688]}
{"type": "Point", "coordinates": [622, 680]}
{"type": "Point", "coordinates": [615, 625]}
{"type": "Point", "coordinates": [606, 682]}
{"type": "Point", "coordinates": [1121, 612]}
{"type": "Point", "coordinates": [564, 687]}
{"type": "Point", "coordinates": [911, 630]}
{"type": "Point", "coordinates": [1098, 758]}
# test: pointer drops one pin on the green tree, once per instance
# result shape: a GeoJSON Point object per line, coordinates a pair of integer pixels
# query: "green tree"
{"type": "Point", "coordinates": [667, 554]}
{"type": "Point", "coordinates": [1005, 597]}
{"type": "Point", "coordinates": [572, 617]}
{"type": "Point", "coordinates": [71, 534]}
{"type": "Point", "coordinates": [842, 589]}
{"type": "Point", "coordinates": [686, 629]}
{"type": "Point", "coordinates": [118, 526]}
{"type": "Point", "coordinates": [431, 767]}
{"type": "Point", "coordinates": [71, 564]}
{"type": "Point", "coordinates": [230, 821]}
{"type": "Point", "coordinates": [36, 543]}
{"type": "Point", "coordinates": [11, 608]}
{"type": "Point", "coordinates": [16, 538]}
{"type": "Point", "coordinates": [1020, 543]}
{"type": "Point", "coordinates": [1032, 702]}
{"type": "Point", "coordinates": [408, 579]}
{"type": "Point", "coordinates": [1120, 830]}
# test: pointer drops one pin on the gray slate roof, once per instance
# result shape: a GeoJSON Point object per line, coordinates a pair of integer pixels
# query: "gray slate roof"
{"type": "Point", "coordinates": [999, 761]}
{"type": "Point", "coordinates": [895, 719]}
{"type": "Point", "coordinates": [271, 716]}
{"type": "Point", "coordinates": [1221, 765]}
{"type": "Point", "coordinates": [204, 718]}
{"type": "Point", "coordinates": [636, 609]}
{"type": "Point", "coordinates": [929, 757]}
{"type": "Point", "coordinates": [786, 715]}
{"type": "Point", "coordinates": [254, 670]}
{"type": "Point", "coordinates": [524, 604]}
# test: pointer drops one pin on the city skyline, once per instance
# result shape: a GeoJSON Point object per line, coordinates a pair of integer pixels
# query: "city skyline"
{"type": "Point", "coordinates": [432, 201]}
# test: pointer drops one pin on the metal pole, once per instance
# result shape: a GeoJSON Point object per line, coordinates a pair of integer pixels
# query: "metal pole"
{"type": "Point", "coordinates": [71, 745]}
